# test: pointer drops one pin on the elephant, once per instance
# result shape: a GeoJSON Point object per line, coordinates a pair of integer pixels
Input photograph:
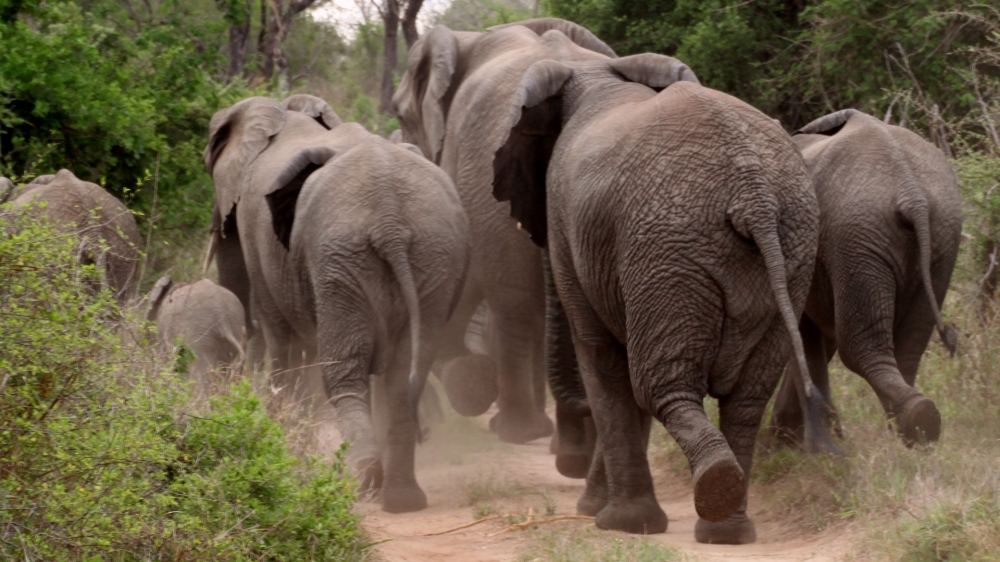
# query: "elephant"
{"type": "Point", "coordinates": [8, 190]}
{"type": "Point", "coordinates": [208, 319]}
{"type": "Point", "coordinates": [98, 217]}
{"type": "Point", "coordinates": [355, 251]}
{"type": "Point", "coordinates": [890, 227]}
{"type": "Point", "coordinates": [449, 103]}
{"type": "Point", "coordinates": [681, 230]}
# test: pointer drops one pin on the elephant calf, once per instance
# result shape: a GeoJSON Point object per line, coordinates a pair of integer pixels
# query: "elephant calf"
{"type": "Point", "coordinates": [208, 318]}
{"type": "Point", "coordinates": [97, 216]}
{"type": "Point", "coordinates": [890, 226]}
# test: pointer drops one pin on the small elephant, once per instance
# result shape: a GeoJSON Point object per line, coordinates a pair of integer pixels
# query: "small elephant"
{"type": "Point", "coordinates": [448, 103]}
{"type": "Point", "coordinates": [97, 216]}
{"type": "Point", "coordinates": [681, 229]}
{"type": "Point", "coordinates": [890, 227]}
{"type": "Point", "coordinates": [205, 317]}
{"type": "Point", "coordinates": [360, 247]}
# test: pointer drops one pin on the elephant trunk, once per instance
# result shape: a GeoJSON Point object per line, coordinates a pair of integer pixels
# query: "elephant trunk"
{"type": "Point", "coordinates": [817, 436]}
{"type": "Point", "coordinates": [392, 249]}
{"type": "Point", "coordinates": [917, 215]}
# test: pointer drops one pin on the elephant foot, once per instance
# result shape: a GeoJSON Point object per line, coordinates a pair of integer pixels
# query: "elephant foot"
{"type": "Point", "coordinates": [736, 529]}
{"type": "Point", "coordinates": [919, 421]}
{"type": "Point", "coordinates": [590, 504]}
{"type": "Point", "coordinates": [403, 499]}
{"type": "Point", "coordinates": [554, 443]}
{"type": "Point", "coordinates": [573, 466]}
{"type": "Point", "coordinates": [641, 516]}
{"type": "Point", "coordinates": [471, 384]}
{"type": "Point", "coordinates": [719, 488]}
{"type": "Point", "coordinates": [369, 474]}
{"type": "Point", "coordinates": [520, 428]}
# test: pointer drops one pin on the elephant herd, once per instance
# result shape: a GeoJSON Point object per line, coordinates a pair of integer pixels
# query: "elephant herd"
{"type": "Point", "coordinates": [611, 228]}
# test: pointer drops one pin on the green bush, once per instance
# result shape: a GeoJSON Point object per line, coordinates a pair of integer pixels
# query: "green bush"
{"type": "Point", "coordinates": [101, 457]}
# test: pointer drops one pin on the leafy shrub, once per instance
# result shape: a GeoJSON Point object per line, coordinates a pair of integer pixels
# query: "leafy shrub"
{"type": "Point", "coordinates": [100, 457]}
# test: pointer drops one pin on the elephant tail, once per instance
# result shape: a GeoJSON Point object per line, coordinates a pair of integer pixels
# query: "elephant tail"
{"type": "Point", "coordinates": [818, 438]}
{"type": "Point", "coordinates": [918, 216]}
{"type": "Point", "coordinates": [393, 251]}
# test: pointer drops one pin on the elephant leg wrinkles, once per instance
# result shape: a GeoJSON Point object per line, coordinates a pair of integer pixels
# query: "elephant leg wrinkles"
{"type": "Point", "coordinates": [623, 427]}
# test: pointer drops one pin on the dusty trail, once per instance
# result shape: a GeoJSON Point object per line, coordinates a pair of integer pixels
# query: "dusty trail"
{"type": "Point", "coordinates": [464, 464]}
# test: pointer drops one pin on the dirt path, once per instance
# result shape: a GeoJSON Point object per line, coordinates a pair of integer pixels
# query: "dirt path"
{"type": "Point", "coordinates": [464, 469]}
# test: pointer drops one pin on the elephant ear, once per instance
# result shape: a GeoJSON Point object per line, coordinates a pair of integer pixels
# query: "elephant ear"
{"type": "Point", "coordinates": [237, 135]}
{"type": "Point", "coordinates": [521, 161]}
{"type": "Point", "coordinates": [157, 295]}
{"type": "Point", "coordinates": [655, 71]}
{"type": "Point", "coordinates": [284, 194]}
{"type": "Point", "coordinates": [576, 33]}
{"type": "Point", "coordinates": [419, 102]}
{"type": "Point", "coordinates": [829, 125]}
{"type": "Point", "coordinates": [314, 107]}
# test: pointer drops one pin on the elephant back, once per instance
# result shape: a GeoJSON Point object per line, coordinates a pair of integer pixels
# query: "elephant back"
{"type": "Point", "coordinates": [73, 205]}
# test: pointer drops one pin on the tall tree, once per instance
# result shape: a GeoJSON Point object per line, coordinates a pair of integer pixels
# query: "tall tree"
{"type": "Point", "coordinates": [278, 26]}
{"type": "Point", "coordinates": [410, 22]}
{"type": "Point", "coordinates": [390, 10]}
{"type": "Point", "coordinates": [237, 16]}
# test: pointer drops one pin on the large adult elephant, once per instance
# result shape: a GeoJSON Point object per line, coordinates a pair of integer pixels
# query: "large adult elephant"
{"type": "Point", "coordinates": [108, 232]}
{"type": "Point", "coordinates": [356, 250]}
{"type": "Point", "coordinates": [259, 133]}
{"type": "Point", "coordinates": [451, 102]}
{"type": "Point", "coordinates": [681, 228]}
{"type": "Point", "coordinates": [890, 226]}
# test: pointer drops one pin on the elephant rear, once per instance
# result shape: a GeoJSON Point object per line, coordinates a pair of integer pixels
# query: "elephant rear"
{"type": "Point", "coordinates": [98, 217]}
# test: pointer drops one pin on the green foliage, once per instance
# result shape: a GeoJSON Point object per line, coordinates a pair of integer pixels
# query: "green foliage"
{"type": "Point", "coordinates": [478, 15]}
{"type": "Point", "coordinates": [99, 457]}
{"type": "Point", "coordinates": [798, 60]}
{"type": "Point", "coordinates": [968, 532]}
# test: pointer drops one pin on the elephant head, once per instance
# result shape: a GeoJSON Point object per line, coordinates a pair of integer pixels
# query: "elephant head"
{"type": "Point", "coordinates": [237, 135]}
{"type": "Point", "coordinates": [438, 64]}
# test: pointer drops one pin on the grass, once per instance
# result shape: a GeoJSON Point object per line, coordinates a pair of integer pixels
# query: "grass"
{"type": "Point", "coordinates": [592, 545]}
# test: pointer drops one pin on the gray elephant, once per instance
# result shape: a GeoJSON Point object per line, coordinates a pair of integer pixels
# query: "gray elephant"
{"type": "Point", "coordinates": [207, 318]}
{"type": "Point", "coordinates": [97, 216]}
{"type": "Point", "coordinates": [451, 102]}
{"type": "Point", "coordinates": [682, 229]}
{"type": "Point", "coordinates": [356, 250]}
{"type": "Point", "coordinates": [890, 226]}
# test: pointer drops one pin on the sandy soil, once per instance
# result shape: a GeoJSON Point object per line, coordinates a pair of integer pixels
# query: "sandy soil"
{"type": "Point", "coordinates": [463, 459]}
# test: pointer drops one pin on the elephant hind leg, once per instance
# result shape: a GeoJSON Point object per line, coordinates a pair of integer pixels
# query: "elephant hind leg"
{"type": "Point", "coordinates": [787, 422]}
{"type": "Point", "coordinates": [623, 430]}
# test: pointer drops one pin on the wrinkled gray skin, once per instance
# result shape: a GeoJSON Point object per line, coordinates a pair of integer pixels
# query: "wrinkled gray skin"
{"type": "Point", "coordinates": [681, 229]}
{"type": "Point", "coordinates": [96, 215]}
{"type": "Point", "coordinates": [356, 250]}
{"type": "Point", "coordinates": [448, 103]}
{"type": "Point", "coordinates": [890, 227]}
{"type": "Point", "coordinates": [207, 318]}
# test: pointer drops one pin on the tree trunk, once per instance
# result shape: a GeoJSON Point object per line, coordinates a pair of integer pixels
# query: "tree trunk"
{"type": "Point", "coordinates": [239, 41]}
{"type": "Point", "coordinates": [278, 25]}
{"type": "Point", "coordinates": [410, 22]}
{"type": "Point", "coordinates": [390, 15]}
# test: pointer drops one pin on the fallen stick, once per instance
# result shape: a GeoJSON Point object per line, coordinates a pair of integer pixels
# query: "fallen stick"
{"type": "Point", "coordinates": [534, 522]}
{"type": "Point", "coordinates": [466, 526]}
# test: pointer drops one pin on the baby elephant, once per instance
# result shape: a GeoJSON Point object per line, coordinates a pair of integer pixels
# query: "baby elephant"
{"type": "Point", "coordinates": [206, 317]}
{"type": "Point", "coordinates": [890, 225]}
